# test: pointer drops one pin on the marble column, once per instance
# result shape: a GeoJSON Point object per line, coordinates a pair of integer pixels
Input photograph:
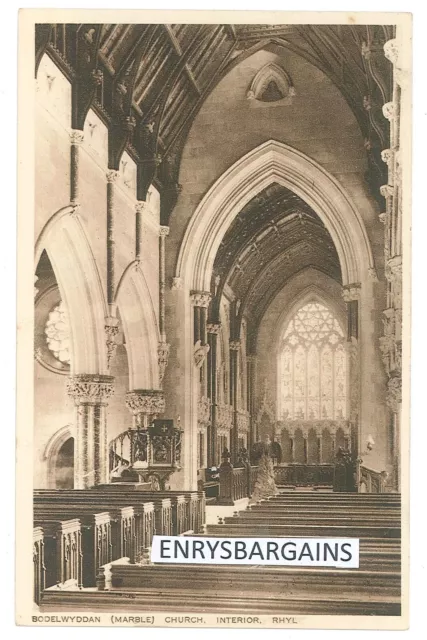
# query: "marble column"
{"type": "Point", "coordinates": [234, 377]}
{"type": "Point", "coordinates": [251, 363]}
{"type": "Point", "coordinates": [351, 295]}
{"type": "Point", "coordinates": [76, 139]}
{"type": "Point", "coordinates": [90, 393]}
{"type": "Point", "coordinates": [163, 347]}
{"type": "Point", "coordinates": [213, 456]}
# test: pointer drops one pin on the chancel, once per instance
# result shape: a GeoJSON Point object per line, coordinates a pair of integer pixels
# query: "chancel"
{"type": "Point", "coordinates": [218, 311]}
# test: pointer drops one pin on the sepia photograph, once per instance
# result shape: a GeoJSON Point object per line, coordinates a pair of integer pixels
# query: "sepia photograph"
{"type": "Point", "coordinates": [216, 372]}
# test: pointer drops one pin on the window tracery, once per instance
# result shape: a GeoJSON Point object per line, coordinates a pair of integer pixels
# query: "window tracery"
{"type": "Point", "coordinates": [313, 367]}
{"type": "Point", "coordinates": [57, 331]}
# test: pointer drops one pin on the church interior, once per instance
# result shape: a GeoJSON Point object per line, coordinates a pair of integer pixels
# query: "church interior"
{"type": "Point", "coordinates": [218, 310]}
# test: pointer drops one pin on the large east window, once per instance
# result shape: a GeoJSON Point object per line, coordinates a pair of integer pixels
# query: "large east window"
{"type": "Point", "coordinates": [313, 367]}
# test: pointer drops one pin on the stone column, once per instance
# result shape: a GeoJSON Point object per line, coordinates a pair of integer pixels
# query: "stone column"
{"type": "Point", "coordinates": [234, 376]}
{"type": "Point", "coordinates": [351, 295]}
{"type": "Point", "coordinates": [90, 393]}
{"type": "Point", "coordinates": [213, 456]}
{"type": "Point", "coordinates": [200, 302]}
{"type": "Point", "coordinates": [391, 341]}
{"type": "Point", "coordinates": [112, 177]}
{"type": "Point", "coordinates": [76, 139]}
{"type": "Point", "coordinates": [164, 347]}
{"type": "Point", "coordinates": [251, 361]}
{"type": "Point", "coordinates": [145, 405]}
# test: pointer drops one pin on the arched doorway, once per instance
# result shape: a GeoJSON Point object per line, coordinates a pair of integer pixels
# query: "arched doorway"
{"type": "Point", "coordinates": [64, 466]}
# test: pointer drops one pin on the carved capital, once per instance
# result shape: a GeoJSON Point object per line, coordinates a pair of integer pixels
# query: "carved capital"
{"type": "Point", "coordinates": [235, 345]}
{"type": "Point", "coordinates": [141, 206]}
{"type": "Point", "coordinates": [389, 110]}
{"type": "Point", "coordinates": [200, 298]}
{"type": "Point", "coordinates": [97, 76]}
{"type": "Point", "coordinates": [372, 273]}
{"type": "Point", "coordinates": [351, 292]}
{"type": "Point", "coordinates": [112, 176]}
{"type": "Point", "coordinates": [383, 217]}
{"type": "Point", "coordinates": [200, 353]}
{"type": "Point", "coordinates": [391, 51]}
{"type": "Point", "coordinates": [177, 284]}
{"type": "Point", "coordinates": [76, 137]}
{"type": "Point", "coordinates": [393, 269]}
{"type": "Point", "coordinates": [162, 359]}
{"type": "Point", "coordinates": [90, 388]}
{"type": "Point", "coordinates": [213, 327]}
{"type": "Point", "coordinates": [387, 156]}
{"type": "Point", "coordinates": [163, 231]}
{"type": "Point", "coordinates": [150, 402]}
{"type": "Point", "coordinates": [387, 190]}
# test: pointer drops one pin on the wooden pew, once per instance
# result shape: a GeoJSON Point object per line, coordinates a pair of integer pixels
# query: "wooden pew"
{"type": "Point", "coordinates": [272, 530]}
{"type": "Point", "coordinates": [62, 552]}
{"type": "Point", "coordinates": [39, 563]}
{"type": "Point", "coordinates": [96, 535]}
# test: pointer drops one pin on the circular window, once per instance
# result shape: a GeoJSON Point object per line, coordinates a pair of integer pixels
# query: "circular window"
{"type": "Point", "coordinates": [57, 332]}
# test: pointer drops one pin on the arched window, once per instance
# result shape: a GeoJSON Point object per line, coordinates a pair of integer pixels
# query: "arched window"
{"type": "Point", "coordinates": [313, 367]}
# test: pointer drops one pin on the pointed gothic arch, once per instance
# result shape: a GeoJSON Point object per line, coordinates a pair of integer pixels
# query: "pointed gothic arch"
{"type": "Point", "coordinates": [271, 162]}
{"type": "Point", "coordinates": [140, 328]}
{"type": "Point", "coordinates": [65, 241]}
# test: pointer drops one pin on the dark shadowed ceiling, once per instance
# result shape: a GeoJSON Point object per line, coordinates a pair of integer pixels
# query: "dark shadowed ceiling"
{"type": "Point", "coordinates": [147, 82]}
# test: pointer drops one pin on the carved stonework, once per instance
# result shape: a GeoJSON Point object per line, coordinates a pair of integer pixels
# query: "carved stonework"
{"type": "Point", "coordinates": [235, 345]}
{"type": "Point", "coordinates": [389, 110]}
{"type": "Point", "coordinates": [224, 418]}
{"type": "Point", "coordinates": [203, 412]}
{"type": "Point", "coordinates": [140, 206]}
{"type": "Point", "coordinates": [200, 353]}
{"type": "Point", "coordinates": [76, 137]}
{"type": "Point", "coordinates": [351, 292]}
{"type": "Point", "coordinates": [145, 401]}
{"type": "Point", "coordinates": [163, 231]}
{"type": "Point", "coordinates": [111, 331]}
{"type": "Point", "coordinates": [387, 156]}
{"type": "Point", "coordinates": [90, 388]}
{"type": "Point", "coordinates": [372, 273]}
{"type": "Point", "coordinates": [394, 393]}
{"type": "Point", "coordinates": [383, 217]}
{"type": "Point", "coordinates": [387, 190]}
{"type": "Point", "coordinates": [391, 51]}
{"type": "Point", "coordinates": [176, 284]}
{"type": "Point", "coordinates": [213, 328]}
{"type": "Point", "coordinates": [354, 363]}
{"type": "Point", "coordinates": [112, 176]}
{"type": "Point", "coordinates": [162, 358]}
{"type": "Point", "coordinates": [200, 298]}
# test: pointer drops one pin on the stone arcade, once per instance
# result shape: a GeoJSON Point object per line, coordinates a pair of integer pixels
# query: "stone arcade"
{"type": "Point", "coordinates": [218, 276]}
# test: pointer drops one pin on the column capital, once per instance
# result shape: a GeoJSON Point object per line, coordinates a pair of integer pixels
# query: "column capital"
{"type": "Point", "coordinates": [163, 231]}
{"type": "Point", "coordinates": [76, 136]}
{"type": "Point", "coordinates": [177, 284]}
{"type": "Point", "coordinates": [213, 327]}
{"type": "Point", "coordinates": [387, 190]}
{"type": "Point", "coordinates": [112, 176]}
{"type": "Point", "coordinates": [391, 51]}
{"type": "Point", "coordinates": [235, 345]}
{"type": "Point", "coordinates": [200, 298]}
{"type": "Point", "coordinates": [140, 206]}
{"type": "Point", "coordinates": [351, 292]}
{"type": "Point", "coordinates": [251, 357]}
{"type": "Point", "coordinates": [389, 110]}
{"type": "Point", "coordinates": [394, 393]}
{"type": "Point", "coordinates": [145, 401]}
{"type": "Point", "coordinates": [90, 388]}
{"type": "Point", "coordinates": [393, 268]}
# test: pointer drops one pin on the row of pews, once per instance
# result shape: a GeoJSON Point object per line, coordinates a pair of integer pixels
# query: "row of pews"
{"type": "Point", "coordinates": [78, 533]}
{"type": "Point", "coordinates": [372, 589]}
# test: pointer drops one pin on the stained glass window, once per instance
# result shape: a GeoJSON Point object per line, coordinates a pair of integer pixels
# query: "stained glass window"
{"type": "Point", "coordinates": [57, 332]}
{"type": "Point", "coordinates": [313, 367]}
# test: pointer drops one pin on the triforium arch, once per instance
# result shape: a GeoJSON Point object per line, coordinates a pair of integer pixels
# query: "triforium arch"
{"type": "Point", "coordinates": [140, 328]}
{"type": "Point", "coordinates": [66, 244]}
{"type": "Point", "coordinates": [273, 162]}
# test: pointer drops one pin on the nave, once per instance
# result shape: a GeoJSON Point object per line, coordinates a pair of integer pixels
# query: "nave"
{"type": "Point", "coordinates": [104, 564]}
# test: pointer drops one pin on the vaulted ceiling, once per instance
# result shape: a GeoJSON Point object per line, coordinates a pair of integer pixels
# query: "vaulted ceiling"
{"type": "Point", "coordinates": [147, 82]}
{"type": "Point", "coordinates": [274, 236]}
